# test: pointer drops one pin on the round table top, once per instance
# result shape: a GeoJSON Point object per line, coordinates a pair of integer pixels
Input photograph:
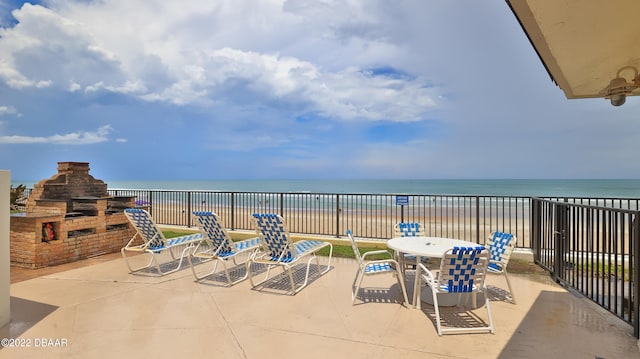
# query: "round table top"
{"type": "Point", "coordinates": [426, 246]}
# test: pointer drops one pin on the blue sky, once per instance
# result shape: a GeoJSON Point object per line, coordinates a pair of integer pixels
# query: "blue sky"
{"type": "Point", "coordinates": [293, 89]}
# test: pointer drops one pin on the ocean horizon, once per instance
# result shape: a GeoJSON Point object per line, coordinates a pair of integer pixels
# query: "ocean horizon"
{"type": "Point", "coordinates": [598, 188]}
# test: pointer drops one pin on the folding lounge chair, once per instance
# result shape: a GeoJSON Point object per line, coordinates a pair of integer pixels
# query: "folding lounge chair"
{"type": "Point", "coordinates": [218, 246]}
{"type": "Point", "coordinates": [501, 246]}
{"type": "Point", "coordinates": [277, 249]}
{"type": "Point", "coordinates": [366, 268]}
{"type": "Point", "coordinates": [408, 229]}
{"type": "Point", "coordinates": [463, 271]}
{"type": "Point", "coordinates": [154, 243]}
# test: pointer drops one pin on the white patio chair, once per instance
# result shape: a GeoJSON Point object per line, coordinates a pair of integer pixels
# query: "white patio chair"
{"type": "Point", "coordinates": [462, 271]}
{"type": "Point", "coordinates": [277, 249]}
{"type": "Point", "coordinates": [218, 246]}
{"type": "Point", "coordinates": [408, 229]}
{"type": "Point", "coordinates": [374, 267]}
{"type": "Point", "coordinates": [154, 243]}
{"type": "Point", "coordinates": [501, 246]}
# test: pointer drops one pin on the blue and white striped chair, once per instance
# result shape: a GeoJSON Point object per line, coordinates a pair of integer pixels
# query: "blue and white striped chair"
{"type": "Point", "coordinates": [374, 267]}
{"type": "Point", "coordinates": [277, 249]}
{"type": "Point", "coordinates": [463, 271]}
{"type": "Point", "coordinates": [408, 229]}
{"type": "Point", "coordinates": [154, 243]}
{"type": "Point", "coordinates": [218, 246]}
{"type": "Point", "coordinates": [501, 246]}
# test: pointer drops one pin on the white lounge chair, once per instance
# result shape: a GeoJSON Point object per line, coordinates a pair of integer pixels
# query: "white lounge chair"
{"type": "Point", "coordinates": [218, 246]}
{"type": "Point", "coordinates": [501, 246]}
{"type": "Point", "coordinates": [374, 267]}
{"type": "Point", "coordinates": [277, 249]}
{"type": "Point", "coordinates": [462, 271]}
{"type": "Point", "coordinates": [154, 243]}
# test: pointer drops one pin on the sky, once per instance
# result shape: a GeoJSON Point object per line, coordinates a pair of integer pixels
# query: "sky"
{"type": "Point", "coordinates": [293, 89]}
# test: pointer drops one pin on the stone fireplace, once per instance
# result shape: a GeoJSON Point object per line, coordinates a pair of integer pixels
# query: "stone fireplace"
{"type": "Point", "coordinates": [68, 217]}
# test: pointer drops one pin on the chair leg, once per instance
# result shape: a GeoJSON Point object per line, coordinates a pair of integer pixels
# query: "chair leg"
{"type": "Point", "coordinates": [513, 296]}
{"type": "Point", "coordinates": [353, 285]}
{"type": "Point", "coordinates": [355, 293]}
{"type": "Point", "coordinates": [404, 289]}
{"type": "Point", "coordinates": [182, 255]}
{"type": "Point", "coordinates": [236, 264]}
{"type": "Point", "coordinates": [486, 301]}
{"type": "Point", "coordinates": [267, 276]}
{"type": "Point", "coordinates": [131, 269]}
{"type": "Point", "coordinates": [329, 261]}
{"type": "Point", "coordinates": [293, 284]}
{"type": "Point", "coordinates": [437, 308]}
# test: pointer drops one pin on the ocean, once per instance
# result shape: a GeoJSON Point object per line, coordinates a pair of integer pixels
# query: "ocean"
{"type": "Point", "coordinates": [599, 188]}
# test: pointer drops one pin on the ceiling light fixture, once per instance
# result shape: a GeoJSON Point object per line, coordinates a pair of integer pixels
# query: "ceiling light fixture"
{"type": "Point", "coordinates": [619, 88]}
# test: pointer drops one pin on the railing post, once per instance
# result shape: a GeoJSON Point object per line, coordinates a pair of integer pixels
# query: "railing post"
{"type": "Point", "coordinates": [233, 211]}
{"type": "Point", "coordinates": [282, 204]}
{"type": "Point", "coordinates": [478, 219]}
{"type": "Point", "coordinates": [635, 305]}
{"type": "Point", "coordinates": [560, 233]}
{"type": "Point", "coordinates": [337, 215]}
{"type": "Point", "coordinates": [535, 221]}
{"type": "Point", "coordinates": [149, 195]}
{"type": "Point", "coordinates": [189, 209]}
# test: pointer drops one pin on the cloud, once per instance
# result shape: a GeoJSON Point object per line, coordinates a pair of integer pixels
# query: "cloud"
{"type": "Point", "coordinates": [162, 53]}
{"type": "Point", "coordinates": [74, 138]}
{"type": "Point", "coordinates": [8, 110]}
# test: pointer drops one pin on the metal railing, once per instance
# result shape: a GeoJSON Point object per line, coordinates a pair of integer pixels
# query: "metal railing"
{"type": "Point", "coordinates": [371, 216]}
{"type": "Point", "coordinates": [592, 249]}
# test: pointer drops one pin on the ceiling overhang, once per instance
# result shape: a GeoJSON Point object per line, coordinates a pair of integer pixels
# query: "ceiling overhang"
{"type": "Point", "coordinates": [583, 43]}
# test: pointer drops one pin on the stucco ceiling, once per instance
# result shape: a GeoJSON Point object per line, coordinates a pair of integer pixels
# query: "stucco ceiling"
{"type": "Point", "coordinates": [583, 43]}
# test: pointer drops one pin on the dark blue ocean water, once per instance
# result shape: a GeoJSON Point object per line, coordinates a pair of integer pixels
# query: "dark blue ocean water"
{"type": "Point", "coordinates": [617, 188]}
{"type": "Point", "coordinates": [623, 188]}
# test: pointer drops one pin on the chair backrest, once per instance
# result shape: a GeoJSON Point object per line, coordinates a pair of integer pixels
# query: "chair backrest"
{"type": "Point", "coordinates": [146, 227]}
{"type": "Point", "coordinates": [463, 268]}
{"type": "Point", "coordinates": [354, 245]}
{"type": "Point", "coordinates": [274, 237]}
{"type": "Point", "coordinates": [408, 229]}
{"type": "Point", "coordinates": [501, 246]}
{"type": "Point", "coordinates": [214, 233]}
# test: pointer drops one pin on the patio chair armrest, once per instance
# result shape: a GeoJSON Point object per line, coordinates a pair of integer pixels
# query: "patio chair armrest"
{"type": "Point", "coordinates": [425, 273]}
{"type": "Point", "coordinates": [384, 251]}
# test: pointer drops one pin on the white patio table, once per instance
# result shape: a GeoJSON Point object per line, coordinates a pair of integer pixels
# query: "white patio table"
{"type": "Point", "coordinates": [430, 247]}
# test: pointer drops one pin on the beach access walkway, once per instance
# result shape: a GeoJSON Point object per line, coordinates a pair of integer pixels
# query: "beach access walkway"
{"type": "Point", "coordinates": [96, 309]}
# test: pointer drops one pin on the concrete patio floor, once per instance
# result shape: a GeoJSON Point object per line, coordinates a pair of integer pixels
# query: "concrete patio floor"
{"type": "Point", "coordinates": [96, 309]}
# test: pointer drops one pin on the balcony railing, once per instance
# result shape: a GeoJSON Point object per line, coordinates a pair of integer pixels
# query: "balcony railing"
{"type": "Point", "coordinates": [371, 216]}
{"type": "Point", "coordinates": [592, 249]}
